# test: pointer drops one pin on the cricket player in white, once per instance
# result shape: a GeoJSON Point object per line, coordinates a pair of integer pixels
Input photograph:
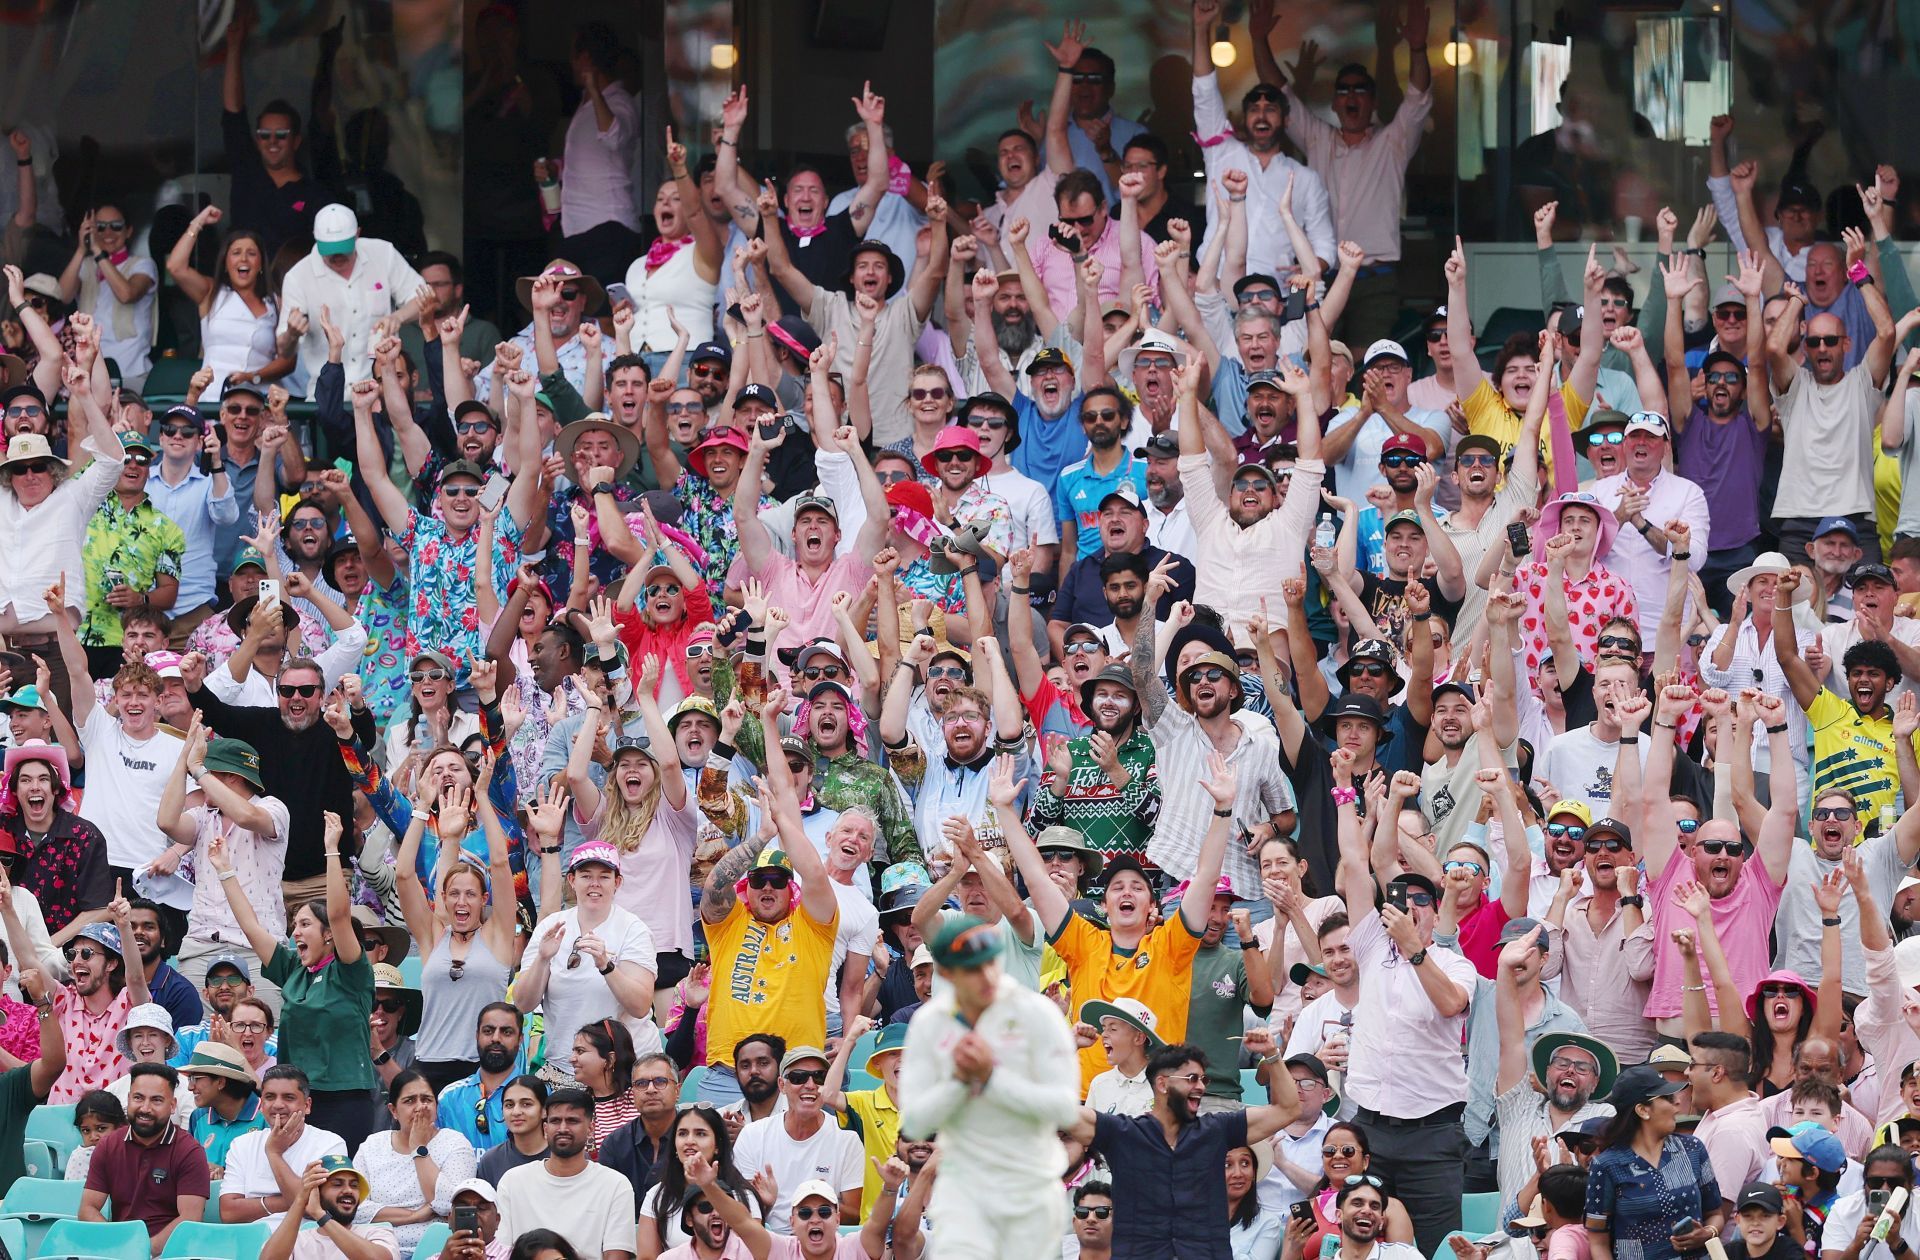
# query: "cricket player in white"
{"type": "Point", "coordinates": [992, 1067]}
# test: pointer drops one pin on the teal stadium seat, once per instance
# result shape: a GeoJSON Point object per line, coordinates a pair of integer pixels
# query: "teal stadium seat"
{"type": "Point", "coordinates": [1480, 1214]}
{"type": "Point", "coordinates": [35, 1203]}
{"type": "Point", "coordinates": [433, 1241]}
{"type": "Point", "coordinates": [53, 1124]}
{"type": "Point", "coordinates": [203, 1240]}
{"type": "Point", "coordinates": [96, 1240]}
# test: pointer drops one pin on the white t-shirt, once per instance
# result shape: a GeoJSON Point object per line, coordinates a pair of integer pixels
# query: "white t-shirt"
{"type": "Point", "coordinates": [1580, 764]}
{"type": "Point", "coordinates": [859, 924]}
{"type": "Point", "coordinates": [667, 1216]}
{"type": "Point", "coordinates": [593, 1209]}
{"type": "Point", "coordinates": [125, 778]}
{"type": "Point", "coordinates": [577, 996]}
{"type": "Point", "coordinates": [832, 1154]}
{"type": "Point", "coordinates": [1829, 444]}
{"type": "Point", "coordinates": [1029, 504]}
{"type": "Point", "coordinates": [248, 1172]}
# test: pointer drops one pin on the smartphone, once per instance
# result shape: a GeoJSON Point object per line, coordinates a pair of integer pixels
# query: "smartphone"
{"type": "Point", "coordinates": [770, 429]}
{"type": "Point", "coordinates": [1295, 306]}
{"type": "Point", "coordinates": [1397, 897]}
{"type": "Point", "coordinates": [491, 493]}
{"type": "Point", "coordinates": [1518, 540]}
{"type": "Point", "coordinates": [269, 590]}
{"type": "Point", "coordinates": [618, 295]}
{"type": "Point", "coordinates": [1301, 1212]}
{"type": "Point", "coordinates": [1685, 1225]}
{"type": "Point", "coordinates": [466, 1217]}
{"type": "Point", "coordinates": [1877, 1201]}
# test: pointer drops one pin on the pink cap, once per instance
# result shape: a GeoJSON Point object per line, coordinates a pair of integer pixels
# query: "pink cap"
{"type": "Point", "coordinates": [164, 663]}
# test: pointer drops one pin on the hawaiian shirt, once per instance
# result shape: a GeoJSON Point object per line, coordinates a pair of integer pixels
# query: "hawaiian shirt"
{"type": "Point", "coordinates": [850, 779]}
{"type": "Point", "coordinates": [948, 590]}
{"type": "Point", "coordinates": [383, 667]}
{"type": "Point", "coordinates": [124, 547]}
{"type": "Point", "coordinates": [67, 871]}
{"type": "Point", "coordinates": [709, 521]}
{"type": "Point", "coordinates": [557, 568]}
{"type": "Point", "coordinates": [979, 505]}
{"type": "Point", "coordinates": [540, 712]}
{"type": "Point", "coordinates": [217, 640]}
{"type": "Point", "coordinates": [445, 615]}
{"type": "Point", "coordinates": [1591, 603]}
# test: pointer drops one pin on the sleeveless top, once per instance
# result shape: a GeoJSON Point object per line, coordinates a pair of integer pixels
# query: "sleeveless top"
{"type": "Point", "coordinates": [676, 283]}
{"type": "Point", "coordinates": [451, 1007]}
{"type": "Point", "coordinates": [234, 339]}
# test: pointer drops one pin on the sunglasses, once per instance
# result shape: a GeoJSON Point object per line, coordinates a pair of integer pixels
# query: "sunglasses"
{"type": "Point", "coordinates": [461, 492]}
{"type": "Point", "coordinates": [1351, 89]}
{"type": "Point", "coordinates": [1881, 1183]}
{"type": "Point", "coordinates": [1618, 641]}
{"type": "Point", "coordinates": [308, 525]}
{"type": "Point", "coordinates": [1082, 647]}
{"type": "Point", "coordinates": [1254, 482]}
{"type": "Point", "coordinates": [817, 1213]}
{"type": "Point", "coordinates": [175, 430]}
{"type": "Point", "coordinates": [84, 953]}
{"type": "Point", "coordinates": [814, 673]}
{"type": "Point", "coordinates": [35, 467]}
{"type": "Point", "coordinates": [1557, 830]}
{"type": "Point", "coordinates": [1607, 439]}
{"type": "Point", "coordinates": [662, 588]}
{"type": "Point", "coordinates": [768, 879]}
{"type": "Point", "coordinates": [392, 1006]}
{"type": "Point", "coordinates": [1736, 314]}
{"type": "Point", "coordinates": [1092, 1213]}
{"type": "Point", "coordinates": [1732, 848]}
{"type": "Point", "coordinates": [1079, 221]}
{"type": "Point", "coordinates": [892, 477]}
{"type": "Point", "coordinates": [306, 691]}
{"type": "Point", "coordinates": [1838, 813]}
{"type": "Point", "coordinates": [37, 301]}
{"type": "Point", "coordinates": [1100, 414]}
{"type": "Point", "coordinates": [1260, 293]}
{"type": "Point", "coordinates": [569, 292]}
{"type": "Point", "coordinates": [1476, 459]}
{"type": "Point", "coordinates": [806, 1076]}
{"type": "Point", "coordinates": [1091, 76]}
{"type": "Point", "coordinates": [1203, 673]}
{"type": "Point", "coordinates": [1723, 378]}
{"type": "Point", "coordinates": [1780, 991]}
{"type": "Point", "coordinates": [473, 426]}
{"type": "Point", "coordinates": [1403, 459]}
{"type": "Point", "coordinates": [1688, 826]}
{"type": "Point", "coordinates": [480, 1120]}
{"type": "Point", "coordinates": [956, 456]}
{"type": "Point", "coordinates": [142, 458]}
{"type": "Point", "coordinates": [685, 408]}
{"type": "Point", "coordinates": [1824, 341]}
{"type": "Point", "coordinates": [1370, 670]}
{"type": "Point", "coordinates": [251, 411]}
{"type": "Point", "coordinates": [226, 982]}
{"type": "Point", "coordinates": [994, 423]}
{"type": "Point", "coordinates": [955, 672]}
{"type": "Point", "coordinates": [709, 371]}
{"type": "Point", "coordinates": [936, 393]}
{"type": "Point", "coordinates": [1606, 844]}
{"type": "Point", "coordinates": [1475, 867]}
{"type": "Point", "coordinates": [428, 675]}
{"type": "Point", "coordinates": [1436, 335]}
{"type": "Point", "coordinates": [1417, 898]}
{"type": "Point", "coordinates": [1581, 1145]}
{"type": "Point", "coordinates": [697, 650]}
{"type": "Point", "coordinates": [110, 225]}
{"type": "Point", "coordinates": [272, 133]}
{"type": "Point", "coordinates": [1365, 1179]}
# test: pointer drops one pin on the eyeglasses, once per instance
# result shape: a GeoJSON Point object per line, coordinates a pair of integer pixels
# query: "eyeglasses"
{"type": "Point", "coordinates": [769, 879]}
{"type": "Point", "coordinates": [392, 1006]}
{"type": "Point", "coordinates": [1082, 647]}
{"type": "Point", "coordinates": [955, 719]}
{"type": "Point", "coordinates": [1618, 641]}
{"type": "Point", "coordinates": [1824, 340]}
{"type": "Point", "coordinates": [806, 1076]}
{"type": "Point", "coordinates": [306, 691]}
{"type": "Point", "coordinates": [1562, 1063]}
{"type": "Point", "coordinates": [428, 675]}
{"type": "Point", "coordinates": [1476, 459]}
{"type": "Point", "coordinates": [171, 430]}
{"type": "Point", "coordinates": [308, 525]}
{"type": "Point", "coordinates": [1344, 1152]}
{"type": "Point", "coordinates": [84, 953]}
{"type": "Point", "coordinates": [272, 133]}
{"type": "Point", "coordinates": [1838, 813]}
{"type": "Point", "coordinates": [1606, 844]}
{"type": "Point", "coordinates": [1099, 414]}
{"type": "Point", "coordinates": [955, 672]}
{"type": "Point", "coordinates": [473, 426]}
{"type": "Point", "coordinates": [1203, 673]}
{"type": "Point", "coordinates": [826, 1213]}
{"type": "Point", "coordinates": [460, 492]}
{"type": "Point", "coordinates": [1614, 304]}
{"type": "Point", "coordinates": [1475, 867]}
{"type": "Point", "coordinates": [250, 1026]}
{"type": "Point", "coordinates": [1092, 1213]}
{"type": "Point", "coordinates": [226, 982]}
{"type": "Point", "coordinates": [1573, 830]}
{"type": "Point", "coordinates": [1090, 76]}
{"type": "Point", "coordinates": [935, 393]}
{"type": "Point", "coordinates": [1403, 459]}
{"type": "Point", "coordinates": [654, 1082]}
{"type": "Point", "coordinates": [1715, 848]}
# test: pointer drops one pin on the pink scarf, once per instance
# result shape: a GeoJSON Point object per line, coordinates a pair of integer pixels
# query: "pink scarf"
{"type": "Point", "coordinates": [807, 234]}
{"type": "Point", "coordinates": [661, 252]}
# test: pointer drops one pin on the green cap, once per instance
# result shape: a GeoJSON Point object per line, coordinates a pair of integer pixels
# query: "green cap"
{"type": "Point", "coordinates": [332, 1164]}
{"type": "Point", "coordinates": [131, 441]}
{"type": "Point", "coordinates": [965, 942]}
{"type": "Point", "coordinates": [248, 556]}
{"type": "Point", "coordinates": [234, 756]}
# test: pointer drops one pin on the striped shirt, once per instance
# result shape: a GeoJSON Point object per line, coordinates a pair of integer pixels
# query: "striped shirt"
{"type": "Point", "coordinates": [1181, 750]}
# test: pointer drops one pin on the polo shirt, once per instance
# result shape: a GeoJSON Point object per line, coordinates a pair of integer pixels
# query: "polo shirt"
{"type": "Point", "coordinates": [464, 1102]}
{"type": "Point", "coordinates": [1176, 1199]}
{"type": "Point", "coordinates": [1218, 998]}
{"type": "Point", "coordinates": [173, 991]}
{"type": "Point", "coordinates": [871, 1113]}
{"type": "Point", "coordinates": [145, 1182]}
{"type": "Point", "coordinates": [216, 1135]}
{"type": "Point", "coordinates": [323, 1018]}
{"type": "Point", "coordinates": [1077, 496]}
{"type": "Point", "coordinates": [1156, 973]}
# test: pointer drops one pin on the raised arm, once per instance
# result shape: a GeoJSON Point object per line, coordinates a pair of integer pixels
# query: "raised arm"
{"type": "Point", "coordinates": [1221, 782]}
{"type": "Point", "coordinates": [1003, 790]}
{"type": "Point", "coordinates": [1466, 368]}
{"type": "Point", "coordinates": [1786, 648]}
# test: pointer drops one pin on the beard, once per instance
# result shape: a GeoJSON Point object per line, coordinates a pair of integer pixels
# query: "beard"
{"type": "Point", "coordinates": [496, 1059]}
{"type": "Point", "coordinates": [1126, 609]}
{"type": "Point", "coordinates": [756, 1090]}
{"type": "Point", "coordinates": [1015, 333]}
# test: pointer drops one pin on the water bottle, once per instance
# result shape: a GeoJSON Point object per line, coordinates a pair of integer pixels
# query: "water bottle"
{"type": "Point", "coordinates": [1324, 533]}
{"type": "Point", "coordinates": [549, 188]}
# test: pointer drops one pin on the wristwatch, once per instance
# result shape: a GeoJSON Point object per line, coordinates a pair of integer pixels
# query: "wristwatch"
{"type": "Point", "coordinates": [1636, 901]}
{"type": "Point", "coordinates": [421, 1152]}
{"type": "Point", "coordinates": [608, 969]}
{"type": "Point", "coordinates": [1417, 957]}
{"type": "Point", "coordinates": [605, 487]}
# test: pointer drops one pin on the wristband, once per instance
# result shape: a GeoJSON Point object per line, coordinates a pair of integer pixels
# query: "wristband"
{"type": "Point", "coordinates": [1313, 306]}
{"type": "Point", "coordinates": [1681, 555]}
{"type": "Point", "coordinates": [1693, 988]}
{"type": "Point", "coordinates": [1697, 253]}
{"type": "Point", "coordinates": [1066, 69]}
{"type": "Point", "coordinates": [729, 143]}
{"type": "Point", "coordinates": [1642, 527]}
{"type": "Point", "coordinates": [421, 815]}
{"type": "Point", "coordinates": [608, 969]}
{"type": "Point", "coordinates": [1635, 900]}
{"type": "Point", "coordinates": [1425, 616]}
{"type": "Point", "coordinates": [1223, 813]}
{"type": "Point", "coordinates": [27, 161]}
{"type": "Point", "coordinates": [1345, 796]}
{"type": "Point", "coordinates": [229, 874]}
{"type": "Point", "coordinates": [1834, 921]}
{"type": "Point", "coordinates": [1777, 730]}
{"type": "Point", "coordinates": [549, 849]}
{"type": "Point", "coordinates": [1626, 739]}
{"type": "Point", "coordinates": [1241, 197]}
{"type": "Point", "coordinates": [1666, 726]}
{"type": "Point", "coordinates": [1021, 590]}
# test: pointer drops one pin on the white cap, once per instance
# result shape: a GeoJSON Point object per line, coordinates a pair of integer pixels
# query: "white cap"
{"type": "Point", "coordinates": [921, 956]}
{"type": "Point", "coordinates": [815, 1188]}
{"type": "Point", "coordinates": [1648, 422]}
{"type": "Point", "coordinates": [1386, 348]}
{"type": "Point", "coordinates": [479, 1185]}
{"type": "Point", "coordinates": [1906, 959]}
{"type": "Point", "coordinates": [335, 229]}
{"type": "Point", "coordinates": [1911, 881]}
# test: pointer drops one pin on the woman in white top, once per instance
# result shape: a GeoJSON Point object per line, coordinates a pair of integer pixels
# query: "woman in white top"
{"type": "Point", "coordinates": [1283, 876]}
{"type": "Point", "coordinates": [589, 963]}
{"type": "Point", "coordinates": [238, 314]}
{"type": "Point", "coordinates": [412, 1168]}
{"type": "Point", "coordinates": [675, 279]}
{"type": "Point", "coordinates": [698, 1129]}
{"type": "Point", "coordinates": [117, 289]}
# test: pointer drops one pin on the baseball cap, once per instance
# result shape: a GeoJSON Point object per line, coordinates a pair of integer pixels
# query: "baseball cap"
{"type": "Point", "coordinates": [1836, 524]}
{"type": "Point", "coordinates": [335, 230]}
{"type": "Point", "coordinates": [707, 350]}
{"type": "Point", "coordinates": [1126, 492]}
{"type": "Point", "coordinates": [1798, 194]}
{"type": "Point", "coordinates": [814, 1188]}
{"type": "Point", "coordinates": [800, 1054]}
{"type": "Point", "coordinates": [1161, 446]}
{"type": "Point", "coordinates": [1648, 422]}
{"type": "Point", "coordinates": [1404, 442]}
{"type": "Point", "coordinates": [756, 392]}
{"type": "Point", "coordinates": [1265, 377]}
{"type": "Point", "coordinates": [1255, 277]}
{"type": "Point", "coordinates": [475, 1185]}
{"type": "Point", "coordinates": [1050, 357]}
{"type": "Point", "coordinates": [1761, 1196]}
{"type": "Point", "coordinates": [1868, 571]}
{"type": "Point", "coordinates": [594, 851]}
{"type": "Point", "coordinates": [1811, 1142]}
{"type": "Point", "coordinates": [1478, 442]}
{"type": "Point", "coordinates": [1577, 808]}
{"type": "Point", "coordinates": [164, 662]}
{"type": "Point", "coordinates": [234, 961]}
{"type": "Point", "coordinates": [1385, 348]}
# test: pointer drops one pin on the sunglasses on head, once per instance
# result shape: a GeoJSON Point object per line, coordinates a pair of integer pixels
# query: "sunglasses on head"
{"type": "Point", "coordinates": [774, 878]}
{"type": "Point", "coordinates": [1838, 813]}
{"type": "Point", "coordinates": [1477, 459]}
{"type": "Point", "coordinates": [306, 691]}
{"type": "Point", "coordinates": [1098, 1212]}
{"type": "Point", "coordinates": [1365, 1179]}
{"type": "Point", "coordinates": [428, 675]}
{"type": "Point", "coordinates": [1079, 221]}
{"type": "Point", "coordinates": [272, 133]}
{"type": "Point", "coordinates": [1824, 341]}
{"type": "Point", "coordinates": [1732, 848]}
{"type": "Point", "coordinates": [806, 1076]}
{"type": "Point", "coordinates": [935, 393]}
{"type": "Point", "coordinates": [1403, 459]}
{"type": "Point", "coordinates": [1573, 830]}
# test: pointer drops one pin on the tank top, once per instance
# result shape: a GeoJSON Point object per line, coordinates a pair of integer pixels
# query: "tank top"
{"type": "Point", "coordinates": [675, 284]}
{"type": "Point", "coordinates": [451, 1007]}
{"type": "Point", "coordinates": [234, 339]}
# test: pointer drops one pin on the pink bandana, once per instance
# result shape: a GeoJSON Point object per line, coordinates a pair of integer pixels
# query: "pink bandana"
{"type": "Point", "coordinates": [662, 251]}
{"type": "Point", "coordinates": [807, 234]}
{"type": "Point", "coordinates": [916, 526]}
{"type": "Point", "coordinates": [899, 176]}
{"type": "Point", "coordinates": [119, 258]}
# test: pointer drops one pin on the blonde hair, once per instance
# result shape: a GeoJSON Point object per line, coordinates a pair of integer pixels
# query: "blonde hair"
{"type": "Point", "coordinates": [625, 826]}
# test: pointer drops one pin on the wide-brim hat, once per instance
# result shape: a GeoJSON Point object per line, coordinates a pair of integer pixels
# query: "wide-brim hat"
{"type": "Point", "coordinates": [596, 294]}
{"type": "Point", "coordinates": [13, 370]}
{"type": "Point", "coordinates": [896, 270]}
{"type": "Point", "coordinates": [719, 435]}
{"type": "Point", "coordinates": [1766, 562]}
{"type": "Point", "coordinates": [1154, 342]}
{"type": "Point", "coordinates": [570, 436]}
{"type": "Point", "coordinates": [39, 750]}
{"type": "Point", "coordinates": [1780, 977]}
{"type": "Point", "coordinates": [242, 612]}
{"type": "Point", "coordinates": [387, 978]}
{"type": "Point", "coordinates": [367, 919]}
{"type": "Point", "coordinates": [1222, 660]}
{"type": "Point", "coordinates": [217, 1058]}
{"type": "Point", "coordinates": [146, 1015]}
{"type": "Point", "coordinates": [1597, 419]}
{"type": "Point", "coordinates": [970, 538]}
{"type": "Point", "coordinates": [1095, 1011]}
{"type": "Point", "coordinates": [1118, 674]}
{"type": "Point", "coordinates": [1603, 1056]}
{"type": "Point", "coordinates": [1061, 837]}
{"type": "Point", "coordinates": [29, 448]}
{"type": "Point", "coordinates": [892, 1040]}
{"type": "Point", "coordinates": [1609, 526]}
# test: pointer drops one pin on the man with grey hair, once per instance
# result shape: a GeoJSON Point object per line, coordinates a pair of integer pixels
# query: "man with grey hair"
{"type": "Point", "coordinates": [901, 211]}
{"type": "Point", "coordinates": [847, 847]}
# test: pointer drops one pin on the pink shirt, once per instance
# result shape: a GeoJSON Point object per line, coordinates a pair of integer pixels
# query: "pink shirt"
{"type": "Point", "coordinates": [1736, 1140]}
{"type": "Point", "coordinates": [653, 877]}
{"type": "Point", "coordinates": [806, 600]}
{"type": "Point", "coordinates": [848, 1247]}
{"type": "Point", "coordinates": [1035, 203]}
{"type": "Point", "coordinates": [1055, 267]}
{"type": "Point", "coordinates": [1569, 1242]}
{"type": "Point", "coordinates": [92, 1060]}
{"type": "Point", "coordinates": [1592, 601]}
{"type": "Point", "coordinates": [1741, 919]}
{"type": "Point", "coordinates": [1669, 498]}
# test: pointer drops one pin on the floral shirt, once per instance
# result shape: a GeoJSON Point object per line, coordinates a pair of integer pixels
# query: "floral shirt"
{"type": "Point", "coordinates": [709, 520]}
{"type": "Point", "coordinates": [1591, 603]}
{"type": "Point", "coordinates": [445, 615]}
{"type": "Point", "coordinates": [217, 640]}
{"type": "Point", "coordinates": [557, 568]}
{"type": "Point", "coordinates": [540, 713]}
{"type": "Point", "coordinates": [948, 590]}
{"type": "Point", "coordinates": [979, 505]}
{"type": "Point", "coordinates": [20, 1037]}
{"type": "Point", "coordinates": [851, 779]}
{"type": "Point", "coordinates": [92, 1059]}
{"type": "Point", "coordinates": [67, 871]}
{"type": "Point", "coordinates": [134, 548]}
{"type": "Point", "coordinates": [383, 666]}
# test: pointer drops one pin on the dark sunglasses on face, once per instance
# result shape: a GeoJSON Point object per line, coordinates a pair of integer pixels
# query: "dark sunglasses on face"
{"type": "Point", "coordinates": [1403, 459]}
{"type": "Point", "coordinates": [1436, 335]}
{"type": "Point", "coordinates": [1723, 378]}
{"type": "Point", "coordinates": [1260, 293]}
{"type": "Point", "coordinates": [806, 1076]}
{"type": "Point", "coordinates": [955, 456]}
{"type": "Point", "coordinates": [1779, 991]}
{"type": "Point", "coordinates": [37, 301]}
{"type": "Point", "coordinates": [1477, 459]}
{"type": "Point", "coordinates": [936, 393]}
{"type": "Point", "coordinates": [272, 133]}
{"type": "Point", "coordinates": [1732, 848]}
{"type": "Point", "coordinates": [110, 225]}
{"type": "Point", "coordinates": [308, 524]}
{"type": "Point", "coordinates": [711, 371]}
{"type": "Point", "coordinates": [427, 675]}
{"type": "Point", "coordinates": [768, 879]}
{"type": "Point", "coordinates": [1372, 669]}
{"type": "Point", "coordinates": [141, 458]}
{"type": "Point", "coordinates": [1100, 414]}
{"type": "Point", "coordinates": [1838, 813]}
{"type": "Point", "coordinates": [1255, 482]}
{"type": "Point", "coordinates": [954, 672]}
{"type": "Point", "coordinates": [306, 691]}
{"type": "Point", "coordinates": [569, 292]}
{"type": "Point", "coordinates": [1738, 314]}
{"type": "Point", "coordinates": [1350, 89]}
{"type": "Point", "coordinates": [1475, 867]}
{"type": "Point", "coordinates": [1823, 341]}
{"type": "Point", "coordinates": [685, 408]}
{"type": "Point", "coordinates": [243, 409]}
{"type": "Point", "coordinates": [465, 427]}
{"type": "Point", "coordinates": [995, 423]}
{"type": "Point", "coordinates": [1881, 1183]}
{"type": "Point", "coordinates": [461, 492]}
{"type": "Point", "coordinates": [820, 1213]}
{"type": "Point", "coordinates": [392, 1006]}
{"type": "Point", "coordinates": [1079, 221]}
{"type": "Point", "coordinates": [662, 588]}
{"type": "Point", "coordinates": [1417, 898]}
{"type": "Point", "coordinates": [814, 673]}
{"type": "Point", "coordinates": [1606, 844]}
{"type": "Point", "coordinates": [179, 430]}
{"type": "Point", "coordinates": [893, 476]}
{"type": "Point", "coordinates": [33, 468]}
{"type": "Point", "coordinates": [1574, 830]}
{"type": "Point", "coordinates": [1097, 1212]}
{"type": "Point", "coordinates": [1618, 641]}
{"type": "Point", "coordinates": [1203, 673]}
